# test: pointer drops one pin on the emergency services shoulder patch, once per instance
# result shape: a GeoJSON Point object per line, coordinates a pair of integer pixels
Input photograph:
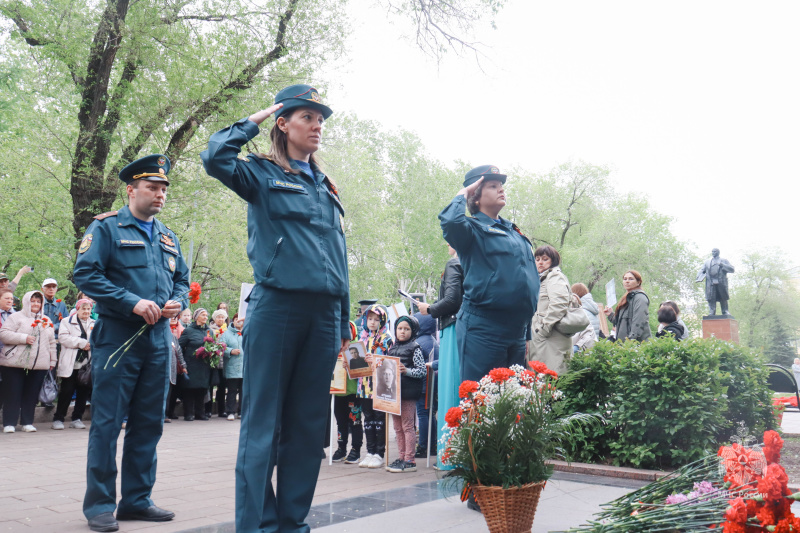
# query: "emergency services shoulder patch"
{"type": "Point", "coordinates": [85, 243]}
{"type": "Point", "coordinates": [171, 263]}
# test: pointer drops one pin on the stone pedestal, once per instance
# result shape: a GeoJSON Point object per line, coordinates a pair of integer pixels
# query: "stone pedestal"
{"type": "Point", "coordinates": [722, 327]}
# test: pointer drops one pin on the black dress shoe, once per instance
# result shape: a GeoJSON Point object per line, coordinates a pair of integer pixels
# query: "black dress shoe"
{"type": "Point", "coordinates": [189, 418]}
{"type": "Point", "coordinates": [151, 514]}
{"type": "Point", "coordinates": [103, 522]}
{"type": "Point", "coordinates": [206, 417]}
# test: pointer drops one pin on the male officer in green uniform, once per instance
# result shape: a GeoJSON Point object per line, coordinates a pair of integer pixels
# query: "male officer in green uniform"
{"type": "Point", "coordinates": [501, 284]}
{"type": "Point", "coordinates": [131, 265]}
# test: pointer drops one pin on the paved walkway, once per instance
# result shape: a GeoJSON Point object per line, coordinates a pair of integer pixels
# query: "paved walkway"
{"type": "Point", "coordinates": [42, 486]}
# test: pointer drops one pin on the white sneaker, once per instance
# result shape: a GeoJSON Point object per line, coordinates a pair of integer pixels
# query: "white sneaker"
{"type": "Point", "coordinates": [366, 461]}
{"type": "Point", "coordinates": [28, 429]}
{"type": "Point", "coordinates": [377, 462]}
{"type": "Point", "coordinates": [77, 424]}
{"type": "Point", "coordinates": [58, 424]}
{"type": "Point", "coordinates": [231, 417]}
{"type": "Point", "coordinates": [9, 429]}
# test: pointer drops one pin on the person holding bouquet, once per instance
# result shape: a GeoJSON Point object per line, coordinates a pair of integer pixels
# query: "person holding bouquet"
{"type": "Point", "coordinates": [199, 371]}
{"type": "Point", "coordinates": [298, 313]}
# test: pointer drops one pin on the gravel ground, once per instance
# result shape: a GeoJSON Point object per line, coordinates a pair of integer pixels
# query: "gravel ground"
{"type": "Point", "coordinates": [790, 459]}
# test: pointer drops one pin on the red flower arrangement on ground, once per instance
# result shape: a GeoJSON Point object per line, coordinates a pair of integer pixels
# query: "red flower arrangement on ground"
{"type": "Point", "coordinates": [500, 375]}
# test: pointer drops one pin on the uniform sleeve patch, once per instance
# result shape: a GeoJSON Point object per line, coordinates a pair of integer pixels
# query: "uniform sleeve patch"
{"type": "Point", "coordinates": [85, 243]}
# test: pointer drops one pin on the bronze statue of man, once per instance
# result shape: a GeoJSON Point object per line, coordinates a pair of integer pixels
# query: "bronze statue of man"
{"type": "Point", "coordinates": [715, 272]}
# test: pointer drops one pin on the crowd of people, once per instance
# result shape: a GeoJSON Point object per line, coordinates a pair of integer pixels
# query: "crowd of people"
{"type": "Point", "coordinates": [38, 335]}
{"type": "Point", "coordinates": [500, 303]}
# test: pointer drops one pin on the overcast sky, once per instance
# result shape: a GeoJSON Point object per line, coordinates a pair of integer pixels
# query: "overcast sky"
{"type": "Point", "coordinates": [694, 104]}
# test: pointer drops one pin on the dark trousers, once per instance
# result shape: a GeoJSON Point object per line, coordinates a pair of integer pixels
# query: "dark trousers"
{"type": "Point", "coordinates": [20, 394]}
{"type": "Point", "coordinates": [374, 428]}
{"type": "Point", "coordinates": [136, 387]}
{"type": "Point", "coordinates": [423, 414]}
{"type": "Point", "coordinates": [232, 405]}
{"type": "Point", "coordinates": [291, 340]}
{"type": "Point", "coordinates": [68, 386]}
{"type": "Point", "coordinates": [193, 403]}
{"type": "Point", "coordinates": [347, 410]}
{"type": "Point", "coordinates": [487, 342]}
{"type": "Point", "coordinates": [220, 397]}
{"type": "Point", "coordinates": [175, 392]}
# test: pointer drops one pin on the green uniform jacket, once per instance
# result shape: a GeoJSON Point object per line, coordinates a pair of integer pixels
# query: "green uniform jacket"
{"type": "Point", "coordinates": [117, 266]}
{"type": "Point", "coordinates": [294, 221]}
{"type": "Point", "coordinates": [499, 271]}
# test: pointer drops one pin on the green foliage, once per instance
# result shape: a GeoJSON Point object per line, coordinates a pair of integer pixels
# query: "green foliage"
{"type": "Point", "coordinates": [667, 403]}
{"type": "Point", "coordinates": [766, 302]}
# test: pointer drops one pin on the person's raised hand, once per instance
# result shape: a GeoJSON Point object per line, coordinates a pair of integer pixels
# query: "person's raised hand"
{"type": "Point", "coordinates": [260, 116]}
{"type": "Point", "coordinates": [467, 191]}
{"type": "Point", "coordinates": [148, 310]}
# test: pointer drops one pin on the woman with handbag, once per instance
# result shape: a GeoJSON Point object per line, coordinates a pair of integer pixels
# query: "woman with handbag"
{"type": "Point", "coordinates": [75, 361]}
{"type": "Point", "coordinates": [29, 351]}
{"type": "Point", "coordinates": [549, 345]}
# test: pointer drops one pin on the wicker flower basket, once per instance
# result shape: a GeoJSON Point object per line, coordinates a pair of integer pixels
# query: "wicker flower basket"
{"type": "Point", "coordinates": [509, 510]}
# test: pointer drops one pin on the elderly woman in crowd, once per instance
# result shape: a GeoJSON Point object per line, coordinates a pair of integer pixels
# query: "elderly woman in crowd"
{"type": "Point", "coordinates": [550, 346]}
{"type": "Point", "coordinates": [219, 324]}
{"type": "Point", "coordinates": [6, 310]}
{"type": "Point", "coordinates": [74, 335]}
{"type": "Point", "coordinates": [176, 368]}
{"type": "Point", "coordinates": [29, 352]}
{"type": "Point", "coordinates": [194, 389]}
{"type": "Point", "coordinates": [632, 316]}
{"type": "Point", "coordinates": [234, 362]}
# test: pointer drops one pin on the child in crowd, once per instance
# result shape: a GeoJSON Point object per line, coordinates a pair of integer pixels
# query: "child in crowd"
{"type": "Point", "coordinates": [413, 371]}
{"type": "Point", "coordinates": [377, 340]}
{"type": "Point", "coordinates": [347, 410]}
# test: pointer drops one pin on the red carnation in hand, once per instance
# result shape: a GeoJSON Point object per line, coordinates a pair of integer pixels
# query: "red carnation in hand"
{"type": "Point", "coordinates": [453, 416]}
{"type": "Point", "coordinates": [499, 375]}
{"type": "Point", "coordinates": [195, 290]}
{"type": "Point", "coordinates": [467, 388]}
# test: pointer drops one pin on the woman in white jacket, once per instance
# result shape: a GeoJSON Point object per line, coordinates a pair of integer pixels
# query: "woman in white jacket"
{"type": "Point", "coordinates": [74, 334]}
{"type": "Point", "coordinates": [29, 352]}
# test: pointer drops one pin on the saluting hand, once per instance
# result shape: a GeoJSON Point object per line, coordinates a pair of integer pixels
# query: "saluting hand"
{"type": "Point", "coordinates": [148, 310]}
{"type": "Point", "coordinates": [467, 191]}
{"type": "Point", "coordinates": [262, 115]}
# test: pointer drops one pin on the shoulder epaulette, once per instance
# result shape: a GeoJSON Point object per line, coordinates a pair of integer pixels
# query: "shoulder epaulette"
{"type": "Point", "coordinates": [103, 216]}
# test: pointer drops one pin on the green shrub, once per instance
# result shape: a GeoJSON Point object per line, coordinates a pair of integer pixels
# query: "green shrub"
{"type": "Point", "coordinates": [666, 403]}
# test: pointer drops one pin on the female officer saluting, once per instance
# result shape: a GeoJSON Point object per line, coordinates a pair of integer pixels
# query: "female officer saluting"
{"type": "Point", "coordinates": [501, 284]}
{"type": "Point", "coordinates": [298, 313]}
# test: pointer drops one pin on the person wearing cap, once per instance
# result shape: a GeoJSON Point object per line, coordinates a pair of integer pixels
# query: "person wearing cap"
{"type": "Point", "coordinates": [5, 283]}
{"type": "Point", "coordinates": [298, 314]}
{"type": "Point", "coordinates": [130, 263]}
{"type": "Point", "coordinates": [54, 308]}
{"type": "Point", "coordinates": [501, 283]}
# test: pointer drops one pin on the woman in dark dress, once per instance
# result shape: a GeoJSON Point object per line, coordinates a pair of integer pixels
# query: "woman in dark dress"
{"type": "Point", "coordinates": [194, 389]}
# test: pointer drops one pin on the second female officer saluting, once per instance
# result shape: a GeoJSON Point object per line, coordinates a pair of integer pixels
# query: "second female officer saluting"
{"type": "Point", "coordinates": [298, 314]}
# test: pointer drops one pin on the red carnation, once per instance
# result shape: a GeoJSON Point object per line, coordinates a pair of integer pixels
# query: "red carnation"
{"type": "Point", "coordinates": [773, 443]}
{"type": "Point", "coordinates": [453, 416]}
{"type": "Point", "coordinates": [467, 388]}
{"type": "Point", "coordinates": [541, 368]}
{"type": "Point", "coordinates": [499, 375]}
{"type": "Point", "coordinates": [737, 512]}
{"type": "Point", "coordinates": [195, 290]}
{"type": "Point", "coordinates": [58, 300]}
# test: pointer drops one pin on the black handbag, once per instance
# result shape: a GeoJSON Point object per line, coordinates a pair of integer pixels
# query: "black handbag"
{"type": "Point", "coordinates": [85, 374]}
